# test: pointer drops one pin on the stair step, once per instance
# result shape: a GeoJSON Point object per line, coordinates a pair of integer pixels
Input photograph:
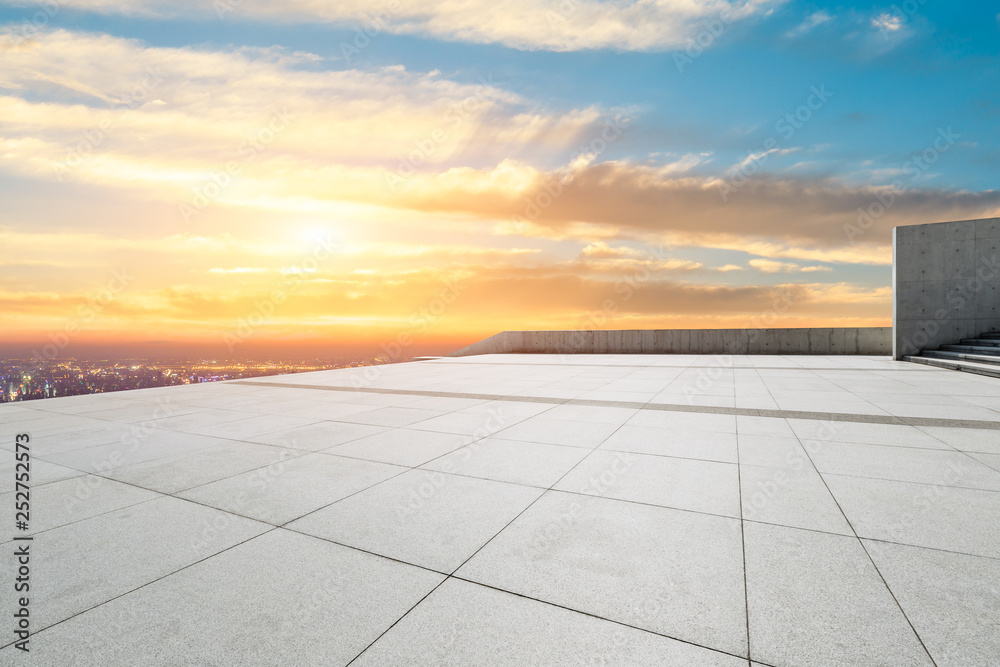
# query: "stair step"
{"type": "Point", "coordinates": [989, 358]}
{"type": "Point", "coordinates": [986, 342]}
{"type": "Point", "coordinates": [990, 334]}
{"type": "Point", "coordinates": [957, 365]}
{"type": "Point", "coordinates": [971, 349]}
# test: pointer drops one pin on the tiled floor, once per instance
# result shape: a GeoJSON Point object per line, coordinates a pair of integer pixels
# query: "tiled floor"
{"type": "Point", "coordinates": [519, 510]}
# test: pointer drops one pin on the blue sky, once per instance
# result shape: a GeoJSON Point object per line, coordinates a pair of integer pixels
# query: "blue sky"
{"type": "Point", "coordinates": [751, 136]}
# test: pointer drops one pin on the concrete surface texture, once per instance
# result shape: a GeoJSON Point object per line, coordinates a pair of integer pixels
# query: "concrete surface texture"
{"type": "Point", "coordinates": [945, 280]}
{"type": "Point", "coordinates": [851, 340]}
{"type": "Point", "coordinates": [684, 510]}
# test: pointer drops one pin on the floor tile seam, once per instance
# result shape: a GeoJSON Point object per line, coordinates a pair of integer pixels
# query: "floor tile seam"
{"type": "Point", "coordinates": [94, 516]}
{"type": "Point", "coordinates": [953, 552]}
{"type": "Point", "coordinates": [298, 453]}
{"type": "Point", "coordinates": [598, 617]}
{"type": "Point", "coordinates": [303, 454]}
{"type": "Point", "coordinates": [671, 456]}
{"type": "Point", "coordinates": [743, 541]}
{"type": "Point", "coordinates": [496, 436]}
{"type": "Point", "coordinates": [947, 450]}
{"type": "Point", "coordinates": [869, 556]}
{"type": "Point", "coordinates": [841, 385]}
{"type": "Point", "coordinates": [531, 504]}
{"type": "Point", "coordinates": [405, 470]}
{"type": "Point", "coordinates": [148, 583]}
{"type": "Point", "coordinates": [398, 620]}
{"type": "Point", "coordinates": [710, 409]}
{"type": "Point", "coordinates": [164, 494]}
{"type": "Point", "coordinates": [904, 481]}
{"type": "Point", "coordinates": [962, 451]}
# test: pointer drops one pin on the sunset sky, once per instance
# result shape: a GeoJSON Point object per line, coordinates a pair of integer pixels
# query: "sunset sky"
{"type": "Point", "coordinates": [248, 175]}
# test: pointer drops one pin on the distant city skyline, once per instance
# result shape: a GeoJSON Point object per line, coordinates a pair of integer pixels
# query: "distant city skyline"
{"type": "Point", "coordinates": [240, 176]}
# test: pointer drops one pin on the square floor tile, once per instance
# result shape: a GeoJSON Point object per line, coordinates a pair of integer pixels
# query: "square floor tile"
{"type": "Point", "coordinates": [171, 474]}
{"type": "Point", "coordinates": [402, 446]}
{"type": "Point", "coordinates": [816, 599]}
{"type": "Point", "coordinates": [951, 599]}
{"type": "Point", "coordinates": [318, 436]}
{"type": "Point", "coordinates": [700, 486]}
{"type": "Point", "coordinates": [708, 445]}
{"type": "Point", "coordinates": [676, 573]}
{"type": "Point", "coordinates": [282, 598]}
{"type": "Point", "coordinates": [391, 416]}
{"type": "Point", "coordinates": [289, 489]}
{"type": "Point", "coordinates": [425, 518]}
{"type": "Point", "coordinates": [903, 464]}
{"type": "Point", "coordinates": [679, 422]}
{"type": "Point", "coordinates": [864, 433]}
{"type": "Point", "coordinates": [467, 423]}
{"type": "Point", "coordinates": [91, 561]}
{"type": "Point", "coordinates": [928, 515]}
{"type": "Point", "coordinates": [967, 439]}
{"type": "Point", "coordinates": [558, 432]}
{"type": "Point", "coordinates": [773, 452]}
{"type": "Point", "coordinates": [796, 498]}
{"type": "Point", "coordinates": [529, 463]}
{"type": "Point", "coordinates": [462, 623]}
{"type": "Point", "coordinates": [69, 500]}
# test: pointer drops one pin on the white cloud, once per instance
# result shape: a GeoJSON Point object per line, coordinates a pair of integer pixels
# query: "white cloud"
{"type": "Point", "coordinates": [113, 111]}
{"type": "Point", "coordinates": [811, 21]}
{"type": "Point", "coordinates": [772, 266]}
{"type": "Point", "coordinates": [553, 25]}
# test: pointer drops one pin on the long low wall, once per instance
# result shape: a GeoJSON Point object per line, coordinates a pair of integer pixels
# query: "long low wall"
{"type": "Point", "coordinates": [855, 340]}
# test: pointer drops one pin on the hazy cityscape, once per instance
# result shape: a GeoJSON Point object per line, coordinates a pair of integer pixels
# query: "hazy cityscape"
{"type": "Point", "coordinates": [32, 379]}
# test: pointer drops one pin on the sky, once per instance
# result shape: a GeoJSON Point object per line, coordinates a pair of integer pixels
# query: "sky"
{"type": "Point", "coordinates": [240, 176]}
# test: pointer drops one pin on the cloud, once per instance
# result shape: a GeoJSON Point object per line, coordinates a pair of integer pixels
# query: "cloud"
{"type": "Point", "coordinates": [552, 25]}
{"type": "Point", "coordinates": [601, 250]}
{"type": "Point", "coordinates": [811, 21]}
{"type": "Point", "coordinates": [888, 23]}
{"type": "Point", "coordinates": [114, 111]}
{"type": "Point", "coordinates": [729, 267]}
{"type": "Point", "coordinates": [772, 266]}
{"type": "Point", "coordinates": [625, 200]}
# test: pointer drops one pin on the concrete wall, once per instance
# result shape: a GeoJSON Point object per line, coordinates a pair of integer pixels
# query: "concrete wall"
{"type": "Point", "coordinates": [871, 341]}
{"type": "Point", "coordinates": [944, 283]}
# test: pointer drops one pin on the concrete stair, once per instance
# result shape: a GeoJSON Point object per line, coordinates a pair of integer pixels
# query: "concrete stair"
{"type": "Point", "coordinates": [980, 355]}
